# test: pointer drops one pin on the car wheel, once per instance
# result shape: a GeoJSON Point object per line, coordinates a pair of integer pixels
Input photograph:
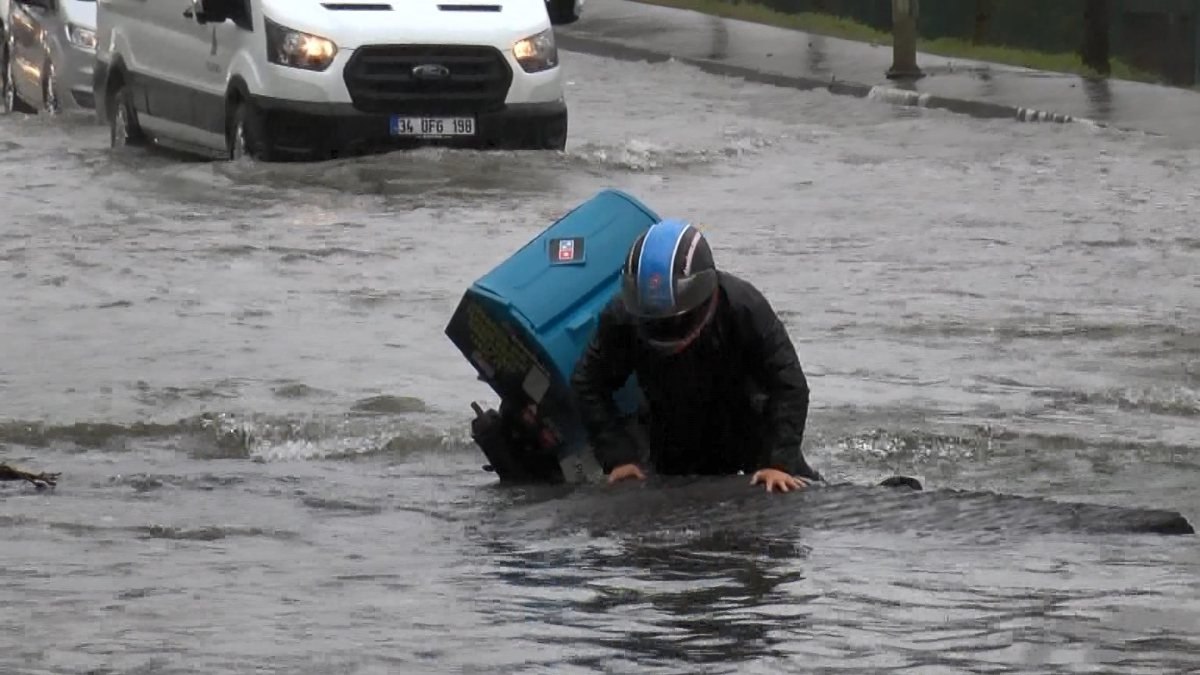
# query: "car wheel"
{"type": "Point", "coordinates": [124, 130]}
{"type": "Point", "coordinates": [6, 102]}
{"type": "Point", "coordinates": [50, 103]}
{"type": "Point", "coordinates": [245, 137]}
{"type": "Point", "coordinates": [11, 102]}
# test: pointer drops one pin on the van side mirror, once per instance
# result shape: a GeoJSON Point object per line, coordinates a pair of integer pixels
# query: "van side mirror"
{"type": "Point", "coordinates": [563, 12]}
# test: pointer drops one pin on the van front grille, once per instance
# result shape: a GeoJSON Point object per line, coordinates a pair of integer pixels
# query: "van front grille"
{"type": "Point", "coordinates": [427, 78]}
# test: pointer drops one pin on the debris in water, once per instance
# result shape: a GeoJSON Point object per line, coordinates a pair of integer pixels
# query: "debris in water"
{"type": "Point", "coordinates": [41, 480]}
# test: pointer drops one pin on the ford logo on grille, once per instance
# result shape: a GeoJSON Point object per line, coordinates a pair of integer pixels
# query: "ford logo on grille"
{"type": "Point", "coordinates": [431, 71]}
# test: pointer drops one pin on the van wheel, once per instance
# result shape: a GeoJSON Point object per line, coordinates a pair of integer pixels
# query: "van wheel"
{"type": "Point", "coordinates": [556, 142]}
{"type": "Point", "coordinates": [50, 103]}
{"type": "Point", "coordinates": [552, 136]}
{"type": "Point", "coordinates": [245, 137]}
{"type": "Point", "coordinates": [562, 12]}
{"type": "Point", "coordinates": [124, 130]}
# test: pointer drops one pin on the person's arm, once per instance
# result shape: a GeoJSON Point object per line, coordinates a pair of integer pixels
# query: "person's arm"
{"type": "Point", "coordinates": [603, 369]}
{"type": "Point", "coordinates": [783, 380]}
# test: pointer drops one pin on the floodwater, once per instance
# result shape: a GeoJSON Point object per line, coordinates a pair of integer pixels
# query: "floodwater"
{"type": "Point", "coordinates": [240, 372]}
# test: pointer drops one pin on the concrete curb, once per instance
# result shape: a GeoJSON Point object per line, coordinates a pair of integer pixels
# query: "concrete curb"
{"type": "Point", "coordinates": [892, 95]}
{"type": "Point", "coordinates": [979, 109]}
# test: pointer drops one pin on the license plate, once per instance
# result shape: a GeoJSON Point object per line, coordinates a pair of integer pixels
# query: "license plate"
{"type": "Point", "coordinates": [433, 126]}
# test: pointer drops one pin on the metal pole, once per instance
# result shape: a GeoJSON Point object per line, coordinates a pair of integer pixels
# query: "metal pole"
{"type": "Point", "coordinates": [1196, 37]}
{"type": "Point", "coordinates": [904, 41]}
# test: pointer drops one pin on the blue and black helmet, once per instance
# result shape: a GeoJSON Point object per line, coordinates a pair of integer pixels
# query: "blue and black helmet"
{"type": "Point", "coordinates": [670, 282]}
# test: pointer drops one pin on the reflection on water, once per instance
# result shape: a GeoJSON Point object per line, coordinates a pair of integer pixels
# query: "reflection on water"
{"type": "Point", "coordinates": [731, 602]}
{"type": "Point", "coordinates": [694, 602]}
{"type": "Point", "coordinates": [1099, 96]}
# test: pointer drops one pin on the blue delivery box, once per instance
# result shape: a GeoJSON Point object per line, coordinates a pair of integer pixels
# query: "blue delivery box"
{"type": "Point", "coordinates": [525, 324]}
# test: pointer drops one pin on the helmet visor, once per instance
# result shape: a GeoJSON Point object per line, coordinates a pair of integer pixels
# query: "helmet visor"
{"type": "Point", "coordinates": [674, 333]}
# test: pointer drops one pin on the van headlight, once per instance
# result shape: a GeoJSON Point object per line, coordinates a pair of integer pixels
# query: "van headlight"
{"type": "Point", "coordinates": [81, 37]}
{"type": "Point", "coordinates": [537, 52]}
{"type": "Point", "coordinates": [291, 48]}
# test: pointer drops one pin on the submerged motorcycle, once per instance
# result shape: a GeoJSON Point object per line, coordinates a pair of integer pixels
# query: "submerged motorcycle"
{"type": "Point", "coordinates": [524, 325]}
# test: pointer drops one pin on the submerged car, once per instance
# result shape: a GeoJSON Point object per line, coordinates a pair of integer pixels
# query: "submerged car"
{"type": "Point", "coordinates": [281, 79]}
{"type": "Point", "coordinates": [48, 54]}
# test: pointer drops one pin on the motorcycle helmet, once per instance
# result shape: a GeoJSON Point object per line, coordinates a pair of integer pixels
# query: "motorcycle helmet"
{"type": "Point", "coordinates": [669, 285]}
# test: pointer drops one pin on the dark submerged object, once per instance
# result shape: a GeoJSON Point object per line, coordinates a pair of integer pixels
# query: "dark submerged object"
{"type": "Point", "coordinates": [902, 481]}
{"type": "Point", "coordinates": [729, 504]}
{"type": "Point", "coordinates": [40, 480]}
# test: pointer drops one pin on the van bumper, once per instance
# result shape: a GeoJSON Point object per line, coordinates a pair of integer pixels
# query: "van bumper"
{"type": "Point", "coordinates": [338, 129]}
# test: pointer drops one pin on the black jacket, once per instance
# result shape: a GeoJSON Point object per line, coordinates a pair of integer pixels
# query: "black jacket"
{"type": "Point", "coordinates": [735, 400]}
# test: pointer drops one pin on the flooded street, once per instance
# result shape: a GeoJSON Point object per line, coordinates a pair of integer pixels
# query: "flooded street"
{"type": "Point", "coordinates": [240, 371]}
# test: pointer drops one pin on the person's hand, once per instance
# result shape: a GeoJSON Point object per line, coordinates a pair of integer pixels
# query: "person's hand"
{"type": "Point", "coordinates": [774, 479]}
{"type": "Point", "coordinates": [626, 472]}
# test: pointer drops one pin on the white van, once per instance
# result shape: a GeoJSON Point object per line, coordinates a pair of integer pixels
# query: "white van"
{"type": "Point", "coordinates": [276, 79]}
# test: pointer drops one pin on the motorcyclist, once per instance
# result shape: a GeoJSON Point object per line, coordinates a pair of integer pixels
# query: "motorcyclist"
{"type": "Point", "coordinates": [723, 388]}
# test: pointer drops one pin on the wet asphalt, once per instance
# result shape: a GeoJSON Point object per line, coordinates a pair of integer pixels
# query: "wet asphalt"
{"type": "Point", "coordinates": [240, 371]}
